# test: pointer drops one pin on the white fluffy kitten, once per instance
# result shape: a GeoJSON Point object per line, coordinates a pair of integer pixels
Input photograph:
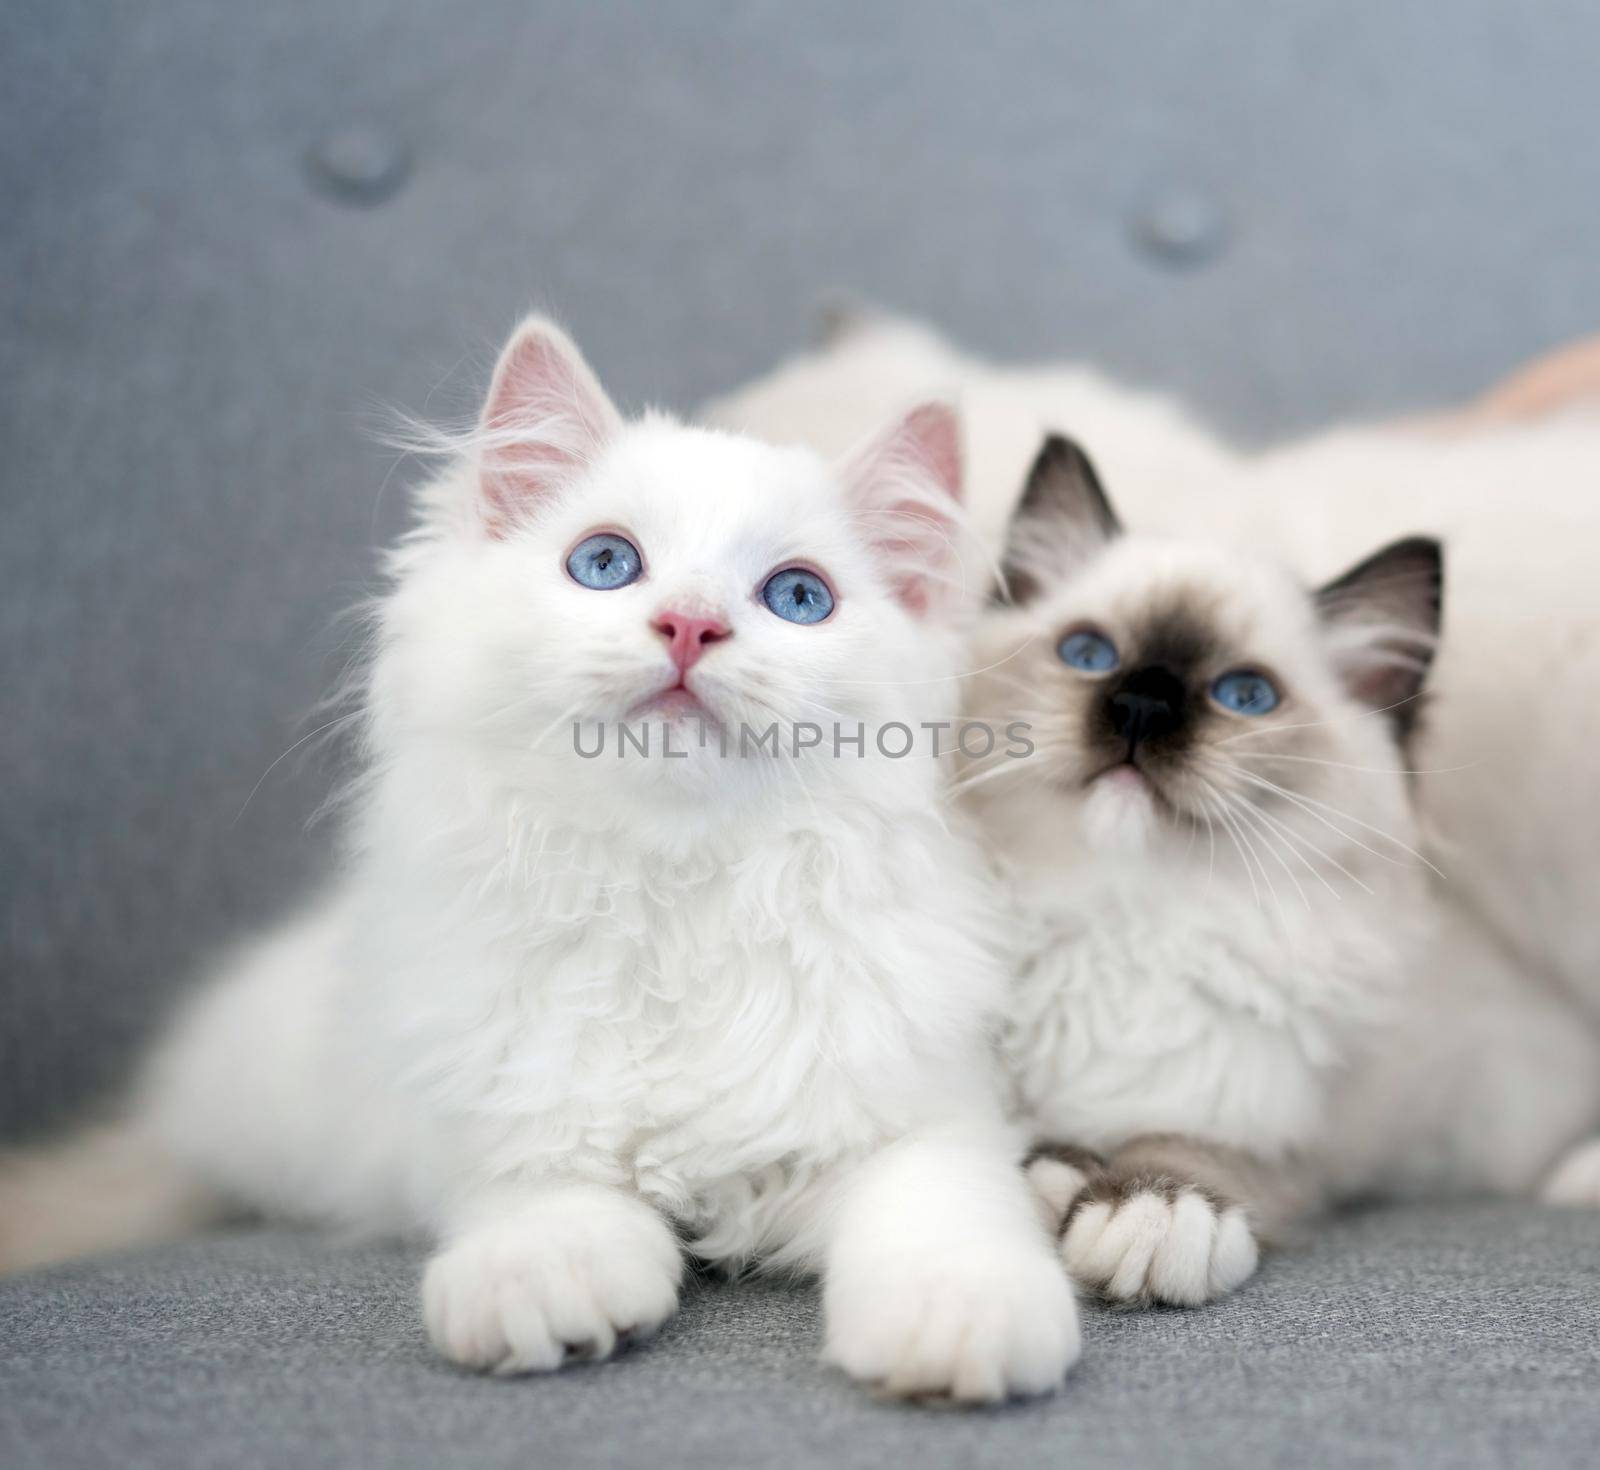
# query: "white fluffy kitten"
{"type": "Point", "coordinates": [1489, 1067]}
{"type": "Point", "coordinates": [561, 1010]}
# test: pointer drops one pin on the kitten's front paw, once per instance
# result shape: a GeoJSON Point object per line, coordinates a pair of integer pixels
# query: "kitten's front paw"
{"type": "Point", "coordinates": [557, 1282]}
{"type": "Point", "coordinates": [977, 1328]}
{"type": "Point", "coordinates": [1139, 1241]}
{"type": "Point", "coordinates": [1575, 1180]}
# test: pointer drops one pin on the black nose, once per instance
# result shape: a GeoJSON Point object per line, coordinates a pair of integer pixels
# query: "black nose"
{"type": "Point", "coordinates": [1148, 703]}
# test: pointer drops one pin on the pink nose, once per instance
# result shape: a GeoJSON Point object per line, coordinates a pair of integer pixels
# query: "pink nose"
{"type": "Point", "coordinates": [688, 637]}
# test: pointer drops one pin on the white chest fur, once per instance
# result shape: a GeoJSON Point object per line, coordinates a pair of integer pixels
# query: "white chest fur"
{"type": "Point", "coordinates": [710, 1032]}
{"type": "Point", "coordinates": [1163, 1003]}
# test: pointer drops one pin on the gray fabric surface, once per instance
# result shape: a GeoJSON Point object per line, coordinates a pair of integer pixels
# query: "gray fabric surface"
{"type": "Point", "coordinates": [192, 337]}
{"type": "Point", "coordinates": [1450, 1338]}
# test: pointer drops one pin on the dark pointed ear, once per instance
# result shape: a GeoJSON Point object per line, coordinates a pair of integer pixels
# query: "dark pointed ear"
{"type": "Point", "coordinates": [1062, 520]}
{"type": "Point", "coordinates": [1382, 619]}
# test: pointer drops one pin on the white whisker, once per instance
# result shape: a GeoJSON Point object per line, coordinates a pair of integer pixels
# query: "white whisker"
{"type": "Point", "coordinates": [1307, 803]}
{"type": "Point", "coordinates": [1291, 837]}
{"type": "Point", "coordinates": [1318, 724]}
{"type": "Point", "coordinates": [1227, 826]}
{"type": "Point", "coordinates": [1311, 760]}
{"type": "Point", "coordinates": [1245, 811]}
{"type": "Point", "coordinates": [312, 735]}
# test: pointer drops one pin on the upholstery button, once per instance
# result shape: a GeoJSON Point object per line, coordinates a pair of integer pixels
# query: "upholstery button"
{"type": "Point", "coordinates": [359, 164]}
{"type": "Point", "coordinates": [1178, 224]}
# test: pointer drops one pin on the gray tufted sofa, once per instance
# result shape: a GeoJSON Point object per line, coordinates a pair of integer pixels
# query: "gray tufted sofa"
{"type": "Point", "coordinates": [227, 233]}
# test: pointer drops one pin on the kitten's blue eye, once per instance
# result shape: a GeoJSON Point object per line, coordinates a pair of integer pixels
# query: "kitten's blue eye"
{"type": "Point", "coordinates": [1245, 693]}
{"type": "Point", "coordinates": [798, 595]}
{"type": "Point", "coordinates": [1094, 653]}
{"type": "Point", "coordinates": [605, 562]}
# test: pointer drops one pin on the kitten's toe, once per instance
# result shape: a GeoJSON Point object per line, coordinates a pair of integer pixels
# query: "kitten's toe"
{"type": "Point", "coordinates": [1110, 1244]}
{"type": "Point", "coordinates": [1056, 1184]}
{"type": "Point", "coordinates": [533, 1296]}
{"type": "Point", "coordinates": [1180, 1267]}
{"type": "Point", "coordinates": [1575, 1180]}
{"type": "Point", "coordinates": [999, 1323]}
{"type": "Point", "coordinates": [1235, 1254]}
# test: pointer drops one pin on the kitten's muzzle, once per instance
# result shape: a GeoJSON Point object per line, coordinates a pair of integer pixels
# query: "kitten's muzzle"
{"type": "Point", "coordinates": [1146, 705]}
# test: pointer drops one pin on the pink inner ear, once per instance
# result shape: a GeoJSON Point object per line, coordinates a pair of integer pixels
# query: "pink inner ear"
{"type": "Point", "coordinates": [1385, 679]}
{"type": "Point", "coordinates": [933, 429]}
{"type": "Point", "coordinates": [546, 415]}
{"type": "Point", "coordinates": [915, 531]}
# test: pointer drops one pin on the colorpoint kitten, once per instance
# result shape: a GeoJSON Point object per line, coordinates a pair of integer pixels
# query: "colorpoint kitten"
{"type": "Point", "coordinates": [1208, 854]}
{"type": "Point", "coordinates": [1316, 1017]}
{"type": "Point", "coordinates": [560, 1010]}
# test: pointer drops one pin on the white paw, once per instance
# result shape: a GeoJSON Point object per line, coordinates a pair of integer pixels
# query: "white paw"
{"type": "Point", "coordinates": [976, 1326]}
{"type": "Point", "coordinates": [1159, 1245]}
{"type": "Point", "coordinates": [559, 1281]}
{"type": "Point", "coordinates": [1575, 1180]}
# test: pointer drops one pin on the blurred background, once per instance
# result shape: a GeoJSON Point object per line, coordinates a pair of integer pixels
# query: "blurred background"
{"type": "Point", "coordinates": [229, 234]}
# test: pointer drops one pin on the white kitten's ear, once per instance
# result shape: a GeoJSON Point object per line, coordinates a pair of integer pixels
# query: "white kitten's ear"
{"type": "Point", "coordinates": [1062, 520]}
{"type": "Point", "coordinates": [1382, 621]}
{"type": "Point", "coordinates": [544, 420]}
{"type": "Point", "coordinates": [906, 486]}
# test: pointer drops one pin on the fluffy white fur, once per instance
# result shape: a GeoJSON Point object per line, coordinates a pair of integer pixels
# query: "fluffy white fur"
{"type": "Point", "coordinates": [559, 1010]}
{"type": "Point", "coordinates": [1488, 1067]}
